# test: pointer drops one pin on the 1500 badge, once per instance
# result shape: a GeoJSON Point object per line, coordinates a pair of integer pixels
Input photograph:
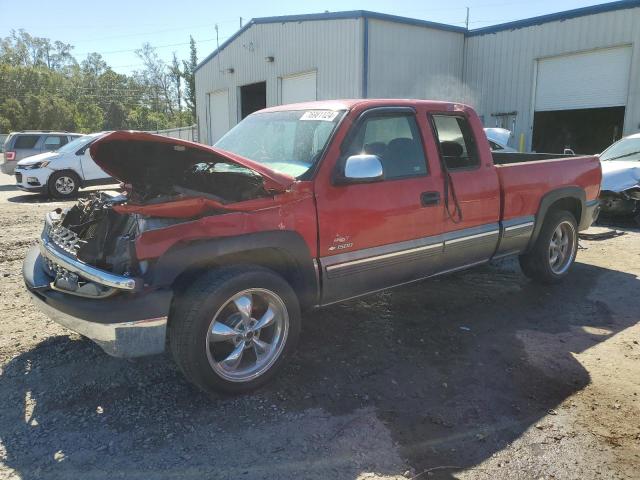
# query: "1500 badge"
{"type": "Point", "coordinates": [341, 242]}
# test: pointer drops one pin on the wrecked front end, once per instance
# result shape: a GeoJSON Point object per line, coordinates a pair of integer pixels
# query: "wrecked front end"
{"type": "Point", "coordinates": [620, 192]}
{"type": "Point", "coordinates": [86, 271]}
{"type": "Point", "coordinates": [625, 203]}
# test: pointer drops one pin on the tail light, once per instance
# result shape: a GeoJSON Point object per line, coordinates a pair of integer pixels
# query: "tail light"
{"type": "Point", "coordinates": [9, 156]}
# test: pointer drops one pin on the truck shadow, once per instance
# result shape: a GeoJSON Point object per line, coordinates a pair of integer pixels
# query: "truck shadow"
{"type": "Point", "coordinates": [452, 370]}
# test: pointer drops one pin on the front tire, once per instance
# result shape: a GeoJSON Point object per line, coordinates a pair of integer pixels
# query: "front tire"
{"type": "Point", "coordinates": [554, 251]}
{"type": "Point", "coordinates": [63, 184]}
{"type": "Point", "coordinates": [233, 328]}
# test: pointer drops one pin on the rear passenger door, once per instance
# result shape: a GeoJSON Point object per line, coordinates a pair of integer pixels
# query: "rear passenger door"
{"type": "Point", "coordinates": [472, 198]}
{"type": "Point", "coordinates": [376, 235]}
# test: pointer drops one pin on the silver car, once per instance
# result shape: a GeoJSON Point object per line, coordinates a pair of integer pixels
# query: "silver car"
{"type": "Point", "coordinates": [19, 145]}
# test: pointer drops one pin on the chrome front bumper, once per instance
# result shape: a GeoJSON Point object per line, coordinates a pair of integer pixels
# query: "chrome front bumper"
{"type": "Point", "coordinates": [128, 324]}
{"type": "Point", "coordinates": [51, 252]}
{"type": "Point", "coordinates": [124, 339]}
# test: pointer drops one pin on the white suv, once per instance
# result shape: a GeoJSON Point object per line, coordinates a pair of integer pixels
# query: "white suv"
{"type": "Point", "coordinates": [61, 173]}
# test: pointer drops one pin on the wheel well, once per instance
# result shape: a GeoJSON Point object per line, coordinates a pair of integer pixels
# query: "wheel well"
{"type": "Point", "coordinates": [570, 204]}
{"type": "Point", "coordinates": [272, 258]}
{"type": "Point", "coordinates": [67, 171]}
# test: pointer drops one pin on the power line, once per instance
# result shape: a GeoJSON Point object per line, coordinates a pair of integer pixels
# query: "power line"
{"type": "Point", "coordinates": [154, 46]}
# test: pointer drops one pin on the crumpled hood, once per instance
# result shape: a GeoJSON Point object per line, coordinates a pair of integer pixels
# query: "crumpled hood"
{"type": "Point", "coordinates": [498, 135]}
{"type": "Point", "coordinates": [619, 175]}
{"type": "Point", "coordinates": [108, 152]}
{"type": "Point", "coordinates": [41, 157]}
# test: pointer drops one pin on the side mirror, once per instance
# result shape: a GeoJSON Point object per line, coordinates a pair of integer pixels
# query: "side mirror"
{"type": "Point", "coordinates": [362, 169]}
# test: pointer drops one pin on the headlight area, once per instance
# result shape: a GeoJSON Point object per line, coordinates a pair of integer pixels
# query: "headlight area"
{"type": "Point", "coordinates": [34, 166]}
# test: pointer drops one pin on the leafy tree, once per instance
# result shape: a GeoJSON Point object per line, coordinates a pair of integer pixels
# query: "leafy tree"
{"type": "Point", "coordinates": [42, 85]}
{"type": "Point", "coordinates": [189, 74]}
{"type": "Point", "coordinates": [12, 113]}
{"type": "Point", "coordinates": [115, 117]}
{"type": "Point", "coordinates": [176, 77]}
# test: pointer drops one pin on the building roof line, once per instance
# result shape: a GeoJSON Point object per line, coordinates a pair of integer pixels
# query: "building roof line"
{"type": "Point", "coordinates": [352, 14]}
{"type": "Point", "coordinates": [553, 17]}
{"type": "Point", "coordinates": [357, 14]}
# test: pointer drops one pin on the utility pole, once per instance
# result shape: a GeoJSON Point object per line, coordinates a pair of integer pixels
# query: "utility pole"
{"type": "Point", "coordinates": [466, 22]}
{"type": "Point", "coordinates": [218, 48]}
{"type": "Point", "coordinates": [240, 22]}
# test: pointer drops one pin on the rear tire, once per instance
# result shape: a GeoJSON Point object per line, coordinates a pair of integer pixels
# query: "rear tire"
{"type": "Point", "coordinates": [63, 184]}
{"type": "Point", "coordinates": [554, 252]}
{"type": "Point", "coordinates": [233, 328]}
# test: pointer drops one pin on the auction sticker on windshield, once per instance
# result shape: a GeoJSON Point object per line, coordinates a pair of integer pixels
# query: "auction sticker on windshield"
{"type": "Point", "coordinates": [324, 115]}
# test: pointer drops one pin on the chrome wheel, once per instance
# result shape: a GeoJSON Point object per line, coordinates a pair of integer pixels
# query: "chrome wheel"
{"type": "Point", "coordinates": [65, 185]}
{"type": "Point", "coordinates": [562, 247]}
{"type": "Point", "coordinates": [247, 335]}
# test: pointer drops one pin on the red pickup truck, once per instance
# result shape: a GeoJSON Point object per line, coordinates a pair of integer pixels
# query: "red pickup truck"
{"type": "Point", "coordinates": [213, 252]}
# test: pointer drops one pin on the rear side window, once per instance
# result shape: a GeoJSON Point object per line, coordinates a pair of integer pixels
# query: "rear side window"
{"type": "Point", "coordinates": [54, 142]}
{"type": "Point", "coordinates": [26, 141]}
{"type": "Point", "coordinates": [395, 139]}
{"type": "Point", "coordinates": [456, 142]}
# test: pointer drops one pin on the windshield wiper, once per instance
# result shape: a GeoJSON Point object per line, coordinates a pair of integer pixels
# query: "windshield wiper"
{"type": "Point", "coordinates": [622, 156]}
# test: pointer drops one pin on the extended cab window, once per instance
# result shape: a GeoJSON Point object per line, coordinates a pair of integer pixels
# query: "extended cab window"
{"type": "Point", "coordinates": [395, 139]}
{"type": "Point", "coordinates": [456, 142]}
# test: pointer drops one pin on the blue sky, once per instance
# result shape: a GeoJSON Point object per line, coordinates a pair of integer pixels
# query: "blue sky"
{"type": "Point", "coordinates": [115, 28]}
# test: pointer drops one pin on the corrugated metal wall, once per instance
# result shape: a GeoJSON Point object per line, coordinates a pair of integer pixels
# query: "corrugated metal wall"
{"type": "Point", "coordinates": [407, 61]}
{"type": "Point", "coordinates": [331, 47]}
{"type": "Point", "coordinates": [184, 133]}
{"type": "Point", "coordinates": [500, 67]}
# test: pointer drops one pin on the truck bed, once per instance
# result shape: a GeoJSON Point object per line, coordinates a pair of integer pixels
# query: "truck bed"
{"type": "Point", "coordinates": [528, 177]}
{"type": "Point", "coordinates": [505, 158]}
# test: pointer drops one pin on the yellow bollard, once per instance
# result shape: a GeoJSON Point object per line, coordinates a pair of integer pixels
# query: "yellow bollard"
{"type": "Point", "coordinates": [521, 148]}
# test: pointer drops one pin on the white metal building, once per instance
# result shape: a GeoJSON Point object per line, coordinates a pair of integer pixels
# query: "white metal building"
{"type": "Point", "coordinates": [570, 79]}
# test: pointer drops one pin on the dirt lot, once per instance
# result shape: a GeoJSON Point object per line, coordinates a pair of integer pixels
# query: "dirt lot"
{"type": "Point", "coordinates": [481, 375]}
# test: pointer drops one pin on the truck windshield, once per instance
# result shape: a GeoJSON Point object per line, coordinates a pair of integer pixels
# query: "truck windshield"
{"type": "Point", "coordinates": [288, 141]}
{"type": "Point", "coordinates": [625, 149]}
{"type": "Point", "coordinates": [77, 144]}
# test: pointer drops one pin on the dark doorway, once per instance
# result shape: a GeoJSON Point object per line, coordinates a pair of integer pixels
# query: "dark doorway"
{"type": "Point", "coordinates": [587, 130]}
{"type": "Point", "coordinates": [252, 98]}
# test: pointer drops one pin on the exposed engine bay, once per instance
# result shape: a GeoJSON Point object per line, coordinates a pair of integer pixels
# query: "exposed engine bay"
{"type": "Point", "coordinates": [97, 235]}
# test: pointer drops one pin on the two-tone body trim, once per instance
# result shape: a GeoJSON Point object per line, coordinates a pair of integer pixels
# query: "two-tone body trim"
{"type": "Point", "coordinates": [515, 236]}
{"type": "Point", "coordinates": [358, 266]}
{"type": "Point", "coordinates": [359, 272]}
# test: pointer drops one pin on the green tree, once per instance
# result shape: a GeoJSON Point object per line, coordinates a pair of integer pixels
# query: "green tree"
{"type": "Point", "coordinates": [12, 113]}
{"type": "Point", "coordinates": [43, 86]}
{"type": "Point", "coordinates": [189, 74]}
{"type": "Point", "coordinates": [115, 118]}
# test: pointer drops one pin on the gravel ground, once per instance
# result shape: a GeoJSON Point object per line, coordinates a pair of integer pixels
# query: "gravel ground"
{"type": "Point", "coordinates": [480, 375]}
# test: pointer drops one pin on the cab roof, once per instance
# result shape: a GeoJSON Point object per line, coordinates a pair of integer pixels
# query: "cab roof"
{"type": "Point", "coordinates": [349, 104]}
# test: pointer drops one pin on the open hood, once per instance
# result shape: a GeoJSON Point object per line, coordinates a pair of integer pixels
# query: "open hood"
{"type": "Point", "coordinates": [620, 175]}
{"type": "Point", "coordinates": [498, 135]}
{"type": "Point", "coordinates": [135, 157]}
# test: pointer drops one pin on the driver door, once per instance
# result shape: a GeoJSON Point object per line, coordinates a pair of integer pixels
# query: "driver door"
{"type": "Point", "coordinates": [379, 234]}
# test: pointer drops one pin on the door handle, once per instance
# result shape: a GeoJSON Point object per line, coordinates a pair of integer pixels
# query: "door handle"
{"type": "Point", "coordinates": [428, 199]}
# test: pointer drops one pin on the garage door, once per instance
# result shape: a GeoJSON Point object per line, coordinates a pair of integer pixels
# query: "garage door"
{"type": "Point", "coordinates": [218, 115]}
{"type": "Point", "coordinates": [298, 88]}
{"type": "Point", "coordinates": [586, 80]}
